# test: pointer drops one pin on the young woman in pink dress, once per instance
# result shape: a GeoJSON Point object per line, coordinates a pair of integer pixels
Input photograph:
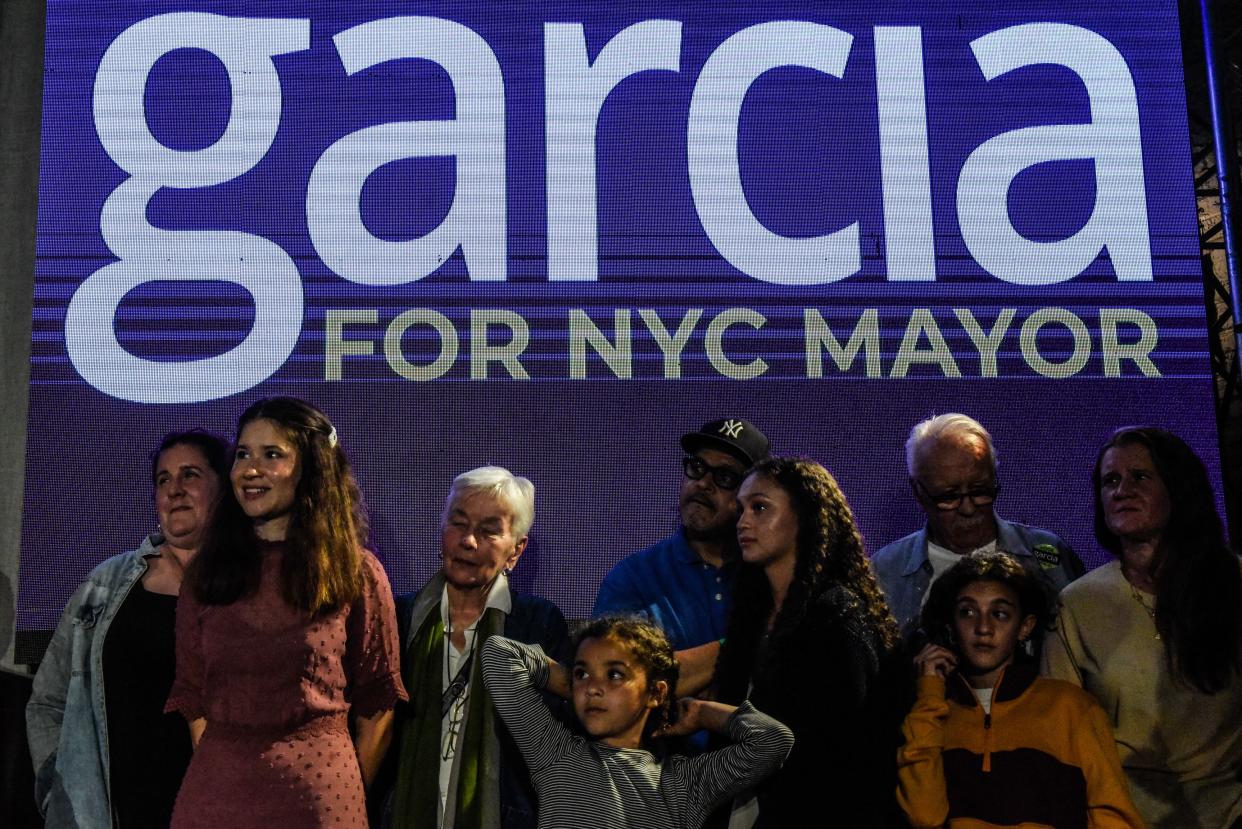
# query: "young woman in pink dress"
{"type": "Point", "coordinates": [286, 631]}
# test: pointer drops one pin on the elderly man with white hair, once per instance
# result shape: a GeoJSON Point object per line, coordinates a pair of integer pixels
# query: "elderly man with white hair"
{"type": "Point", "coordinates": [479, 780]}
{"type": "Point", "coordinates": [952, 466]}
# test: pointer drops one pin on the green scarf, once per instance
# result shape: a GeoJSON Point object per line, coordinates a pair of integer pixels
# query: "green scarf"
{"type": "Point", "coordinates": [417, 798]}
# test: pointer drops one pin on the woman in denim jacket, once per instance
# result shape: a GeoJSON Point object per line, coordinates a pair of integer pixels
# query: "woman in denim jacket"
{"type": "Point", "coordinates": [105, 754]}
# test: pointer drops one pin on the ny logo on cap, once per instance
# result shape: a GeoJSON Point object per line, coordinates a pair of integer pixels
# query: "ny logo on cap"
{"type": "Point", "coordinates": [732, 428]}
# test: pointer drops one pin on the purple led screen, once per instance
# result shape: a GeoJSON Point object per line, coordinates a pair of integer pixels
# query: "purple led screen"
{"type": "Point", "coordinates": [556, 236]}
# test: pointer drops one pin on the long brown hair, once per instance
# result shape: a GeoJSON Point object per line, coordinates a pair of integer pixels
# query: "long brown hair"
{"type": "Point", "coordinates": [830, 555]}
{"type": "Point", "coordinates": [1198, 586]}
{"type": "Point", "coordinates": [321, 569]}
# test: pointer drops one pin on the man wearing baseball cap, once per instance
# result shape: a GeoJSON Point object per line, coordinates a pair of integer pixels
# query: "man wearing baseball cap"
{"type": "Point", "coordinates": [684, 583]}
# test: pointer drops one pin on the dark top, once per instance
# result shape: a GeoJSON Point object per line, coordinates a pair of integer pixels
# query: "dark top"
{"type": "Point", "coordinates": [148, 750]}
{"type": "Point", "coordinates": [832, 681]}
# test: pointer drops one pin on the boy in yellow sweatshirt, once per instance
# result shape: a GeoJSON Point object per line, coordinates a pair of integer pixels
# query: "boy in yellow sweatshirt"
{"type": "Point", "coordinates": [989, 742]}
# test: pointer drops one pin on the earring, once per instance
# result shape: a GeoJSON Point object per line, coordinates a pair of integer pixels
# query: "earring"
{"type": "Point", "coordinates": [1028, 647]}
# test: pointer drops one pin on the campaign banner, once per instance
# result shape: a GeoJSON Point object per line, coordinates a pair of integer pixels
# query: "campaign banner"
{"type": "Point", "coordinates": [556, 236]}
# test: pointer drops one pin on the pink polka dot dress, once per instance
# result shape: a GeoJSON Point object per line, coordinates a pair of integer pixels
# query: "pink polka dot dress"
{"type": "Point", "coordinates": [276, 689]}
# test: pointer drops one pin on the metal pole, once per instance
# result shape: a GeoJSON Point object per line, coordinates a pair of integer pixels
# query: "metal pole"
{"type": "Point", "coordinates": [1226, 170]}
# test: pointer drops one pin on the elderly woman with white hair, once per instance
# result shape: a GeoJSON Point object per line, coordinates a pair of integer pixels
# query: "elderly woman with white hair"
{"type": "Point", "coordinates": [480, 779]}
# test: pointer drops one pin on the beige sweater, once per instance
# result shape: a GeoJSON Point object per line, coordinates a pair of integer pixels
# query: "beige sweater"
{"type": "Point", "coordinates": [1180, 748]}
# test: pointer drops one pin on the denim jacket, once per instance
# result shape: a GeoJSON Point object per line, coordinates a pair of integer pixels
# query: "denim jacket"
{"type": "Point", "coordinates": [65, 718]}
{"type": "Point", "coordinates": [905, 573]}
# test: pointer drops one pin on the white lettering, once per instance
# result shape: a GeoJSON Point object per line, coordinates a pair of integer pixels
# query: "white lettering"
{"type": "Point", "coordinates": [1115, 351]}
{"type": "Point", "coordinates": [715, 174]}
{"type": "Point", "coordinates": [482, 352]}
{"type": "Point", "coordinates": [866, 335]}
{"type": "Point", "coordinates": [148, 254]}
{"type": "Point", "coordinates": [395, 354]}
{"type": "Point", "coordinates": [1028, 338]}
{"type": "Point", "coordinates": [583, 330]}
{"type": "Point", "coordinates": [475, 223]}
{"type": "Point", "coordinates": [715, 343]}
{"type": "Point", "coordinates": [671, 344]}
{"type": "Point", "coordinates": [1112, 140]}
{"type": "Point", "coordinates": [909, 243]}
{"type": "Point", "coordinates": [986, 343]}
{"type": "Point", "coordinates": [573, 97]}
{"type": "Point", "coordinates": [335, 346]}
{"type": "Point", "coordinates": [908, 353]}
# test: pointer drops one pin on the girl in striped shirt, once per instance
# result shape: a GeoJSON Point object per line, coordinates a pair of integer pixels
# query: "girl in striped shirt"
{"type": "Point", "coordinates": [622, 684]}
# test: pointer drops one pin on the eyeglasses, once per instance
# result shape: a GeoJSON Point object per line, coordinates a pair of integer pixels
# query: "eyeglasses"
{"type": "Point", "coordinates": [947, 501]}
{"type": "Point", "coordinates": [725, 477]}
{"type": "Point", "coordinates": [457, 713]}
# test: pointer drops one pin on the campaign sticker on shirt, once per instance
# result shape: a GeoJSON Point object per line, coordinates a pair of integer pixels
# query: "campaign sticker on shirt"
{"type": "Point", "coordinates": [1047, 555]}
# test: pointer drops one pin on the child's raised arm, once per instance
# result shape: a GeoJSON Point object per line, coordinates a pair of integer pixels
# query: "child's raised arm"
{"type": "Point", "coordinates": [514, 674]}
{"type": "Point", "coordinates": [760, 746]}
{"type": "Point", "coordinates": [699, 715]}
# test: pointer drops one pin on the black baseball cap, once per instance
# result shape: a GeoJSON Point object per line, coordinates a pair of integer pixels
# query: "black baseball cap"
{"type": "Point", "coordinates": [733, 435]}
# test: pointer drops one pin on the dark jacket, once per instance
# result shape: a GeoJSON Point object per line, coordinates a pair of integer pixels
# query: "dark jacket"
{"type": "Point", "coordinates": [840, 691]}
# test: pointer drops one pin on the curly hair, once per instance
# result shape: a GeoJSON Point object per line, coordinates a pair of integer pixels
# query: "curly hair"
{"type": "Point", "coordinates": [1002, 568]}
{"type": "Point", "coordinates": [651, 650]}
{"type": "Point", "coordinates": [322, 566]}
{"type": "Point", "coordinates": [830, 554]}
{"type": "Point", "coordinates": [1198, 589]}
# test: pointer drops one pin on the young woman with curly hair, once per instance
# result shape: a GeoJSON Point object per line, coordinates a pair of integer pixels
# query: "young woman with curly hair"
{"type": "Point", "coordinates": [287, 630]}
{"type": "Point", "coordinates": [1156, 635]}
{"type": "Point", "coordinates": [812, 642]}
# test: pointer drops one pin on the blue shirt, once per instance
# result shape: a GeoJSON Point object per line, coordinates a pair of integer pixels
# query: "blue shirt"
{"type": "Point", "coordinates": [669, 585]}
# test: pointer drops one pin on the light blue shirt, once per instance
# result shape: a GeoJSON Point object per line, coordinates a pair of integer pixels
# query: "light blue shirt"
{"type": "Point", "coordinates": [905, 572]}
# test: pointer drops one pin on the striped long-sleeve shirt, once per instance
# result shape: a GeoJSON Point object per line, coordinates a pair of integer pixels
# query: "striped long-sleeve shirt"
{"type": "Point", "coordinates": [585, 783]}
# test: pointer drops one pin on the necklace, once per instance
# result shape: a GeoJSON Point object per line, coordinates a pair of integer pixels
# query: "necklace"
{"type": "Point", "coordinates": [455, 694]}
{"type": "Point", "coordinates": [1149, 610]}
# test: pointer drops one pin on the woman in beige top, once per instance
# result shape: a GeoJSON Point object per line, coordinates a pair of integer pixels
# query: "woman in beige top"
{"type": "Point", "coordinates": [1156, 635]}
